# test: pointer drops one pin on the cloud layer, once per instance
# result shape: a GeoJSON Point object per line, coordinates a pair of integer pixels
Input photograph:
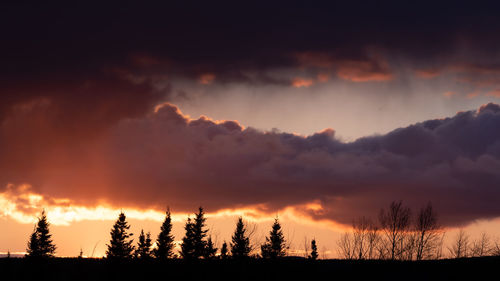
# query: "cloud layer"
{"type": "Point", "coordinates": [79, 86]}
{"type": "Point", "coordinates": [167, 158]}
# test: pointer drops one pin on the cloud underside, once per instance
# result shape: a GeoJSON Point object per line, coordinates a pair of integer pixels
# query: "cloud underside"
{"type": "Point", "coordinates": [167, 158]}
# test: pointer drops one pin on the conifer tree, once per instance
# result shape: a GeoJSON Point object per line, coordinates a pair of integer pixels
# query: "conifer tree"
{"type": "Point", "coordinates": [187, 246]}
{"type": "Point", "coordinates": [40, 243]}
{"type": "Point", "coordinates": [224, 251]}
{"type": "Point", "coordinates": [165, 241]}
{"type": "Point", "coordinates": [314, 250]}
{"type": "Point", "coordinates": [143, 250]}
{"type": "Point", "coordinates": [120, 246]}
{"type": "Point", "coordinates": [210, 249]}
{"type": "Point", "coordinates": [47, 247]}
{"type": "Point", "coordinates": [193, 243]}
{"type": "Point", "coordinates": [240, 245]}
{"type": "Point", "coordinates": [274, 247]}
{"type": "Point", "coordinates": [199, 233]}
{"type": "Point", "coordinates": [33, 250]}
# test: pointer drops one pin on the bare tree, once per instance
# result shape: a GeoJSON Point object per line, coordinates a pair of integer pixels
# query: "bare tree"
{"type": "Point", "coordinates": [408, 246]}
{"type": "Point", "coordinates": [373, 238]}
{"type": "Point", "coordinates": [360, 229]}
{"type": "Point", "coordinates": [495, 251]}
{"type": "Point", "coordinates": [481, 247]}
{"type": "Point", "coordinates": [346, 246]}
{"type": "Point", "coordinates": [395, 223]}
{"type": "Point", "coordinates": [438, 253]}
{"type": "Point", "coordinates": [306, 247]}
{"type": "Point", "coordinates": [460, 246]}
{"type": "Point", "coordinates": [427, 232]}
{"type": "Point", "coordinates": [365, 238]}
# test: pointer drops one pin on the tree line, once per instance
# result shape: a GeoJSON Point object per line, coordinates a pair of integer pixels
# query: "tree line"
{"type": "Point", "coordinates": [400, 235]}
{"type": "Point", "coordinates": [397, 235]}
{"type": "Point", "coordinates": [196, 243]}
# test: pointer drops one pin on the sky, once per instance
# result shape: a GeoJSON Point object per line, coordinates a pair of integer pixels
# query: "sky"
{"type": "Point", "coordinates": [315, 113]}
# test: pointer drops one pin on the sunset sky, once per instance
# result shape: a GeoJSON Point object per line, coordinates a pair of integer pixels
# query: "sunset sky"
{"type": "Point", "coordinates": [317, 114]}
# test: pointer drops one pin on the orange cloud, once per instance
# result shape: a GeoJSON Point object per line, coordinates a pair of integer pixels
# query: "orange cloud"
{"type": "Point", "coordinates": [449, 94]}
{"type": "Point", "coordinates": [427, 73]}
{"type": "Point", "coordinates": [473, 95]}
{"type": "Point", "coordinates": [207, 78]}
{"type": "Point", "coordinates": [494, 93]}
{"type": "Point", "coordinates": [364, 71]}
{"type": "Point", "coordinates": [356, 75]}
{"type": "Point", "coordinates": [312, 59]}
{"type": "Point", "coordinates": [323, 77]}
{"type": "Point", "coordinates": [298, 82]}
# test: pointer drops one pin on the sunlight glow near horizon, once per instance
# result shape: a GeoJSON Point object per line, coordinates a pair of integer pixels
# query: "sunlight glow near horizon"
{"type": "Point", "coordinates": [24, 205]}
{"type": "Point", "coordinates": [21, 205]}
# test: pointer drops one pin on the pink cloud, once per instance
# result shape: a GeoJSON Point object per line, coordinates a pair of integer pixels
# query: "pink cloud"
{"type": "Point", "coordinates": [494, 93]}
{"type": "Point", "coordinates": [207, 78]}
{"type": "Point", "coordinates": [427, 73]}
{"type": "Point", "coordinates": [449, 94]}
{"type": "Point", "coordinates": [298, 82]}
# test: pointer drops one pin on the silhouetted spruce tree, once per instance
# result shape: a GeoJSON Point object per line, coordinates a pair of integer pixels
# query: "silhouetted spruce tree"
{"type": "Point", "coordinates": [193, 244]}
{"type": "Point", "coordinates": [224, 251]}
{"type": "Point", "coordinates": [165, 241]}
{"type": "Point", "coordinates": [143, 250]}
{"type": "Point", "coordinates": [120, 246]}
{"type": "Point", "coordinates": [33, 250]}
{"type": "Point", "coordinates": [314, 250]}
{"type": "Point", "coordinates": [187, 246]}
{"type": "Point", "coordinates": [199, 233]}
{"type": "Point", "coordinates": [274, 247]}
{"type": "Point", "coordinates": [41, 244]}
{"type": "Point", "coordinates": [240, 245]}
{"type": "Point", "coordinates": [210, 249]}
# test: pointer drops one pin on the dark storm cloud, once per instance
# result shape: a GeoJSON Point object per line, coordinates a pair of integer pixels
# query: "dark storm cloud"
{"type": "Point", "coordinates": [53, 52]}
{"type": "Point", "coordinates": [237, 42]}
{"type": "Point", "coordinates": [167, 158]}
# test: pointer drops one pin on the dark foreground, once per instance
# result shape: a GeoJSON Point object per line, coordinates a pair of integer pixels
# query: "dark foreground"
{"type": "Point", "coordinates": [487, 268]}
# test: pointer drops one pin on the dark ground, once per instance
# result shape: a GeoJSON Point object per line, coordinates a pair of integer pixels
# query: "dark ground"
{"type": "Point", "coordinates": [487, 268]}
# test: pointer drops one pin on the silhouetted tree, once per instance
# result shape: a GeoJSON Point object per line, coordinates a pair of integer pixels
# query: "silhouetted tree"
{"type": "Point", "coordinates": [427, 232]}
{"type": "Point", "coordinates": [165, 241]}
{"type": "Point", "coordinates": [199, 233]}
{"type": "Point", "coordinates": [482, 247]}
{"type": "Point", "coordinates": [120, 246]}
{"type": "Point", "coordinates": [224, 251]}
{"type": "Point", "coordinates": [361, 230]}
{"type": "Point", "coordinates": [346, 246]}
{"type": "Point", "coordinates": [314, 250]}
{"type": "Point", "coordinates": [210, 249]}
{"type": "Point", "coordinates": [193, 244]}
{"type": "Point", "coordinates": [143, 250]}
{"type": "Point", "coordinates": [240, 245]}
{"type": "Point", "coordinates": [33, 250]}
{"type": "Point", "coordinates": [274, 247]}
{"type": "Point", "coordinates": [40, 243]}
{"type": "Point", "coordinates": [460, 247]}
{"type": "Point", "coordinates": [395, 223]}
{"type": "Point", "coordinates": [187, 246]}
